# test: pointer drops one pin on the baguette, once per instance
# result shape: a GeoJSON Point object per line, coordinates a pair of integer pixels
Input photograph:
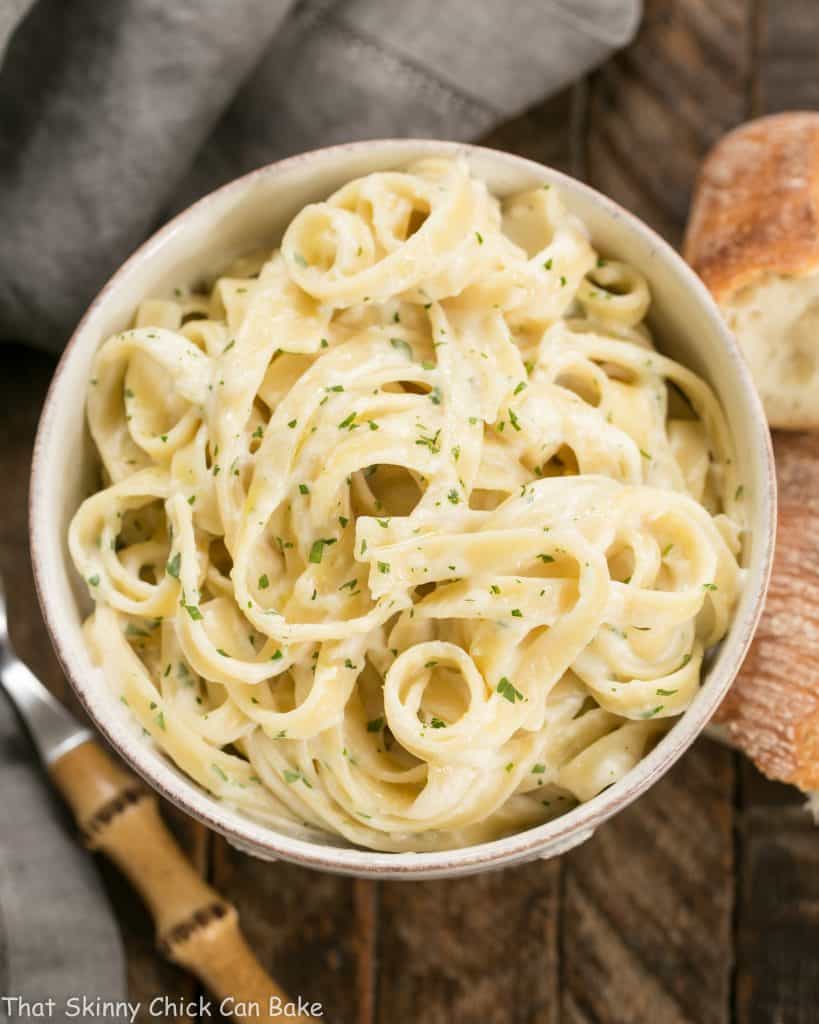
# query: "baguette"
{"type": "Point", "coordinates": [753, 237]}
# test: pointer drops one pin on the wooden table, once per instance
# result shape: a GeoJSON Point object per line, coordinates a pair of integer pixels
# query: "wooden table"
{"type": "Point", "coordinates": [700, 903]}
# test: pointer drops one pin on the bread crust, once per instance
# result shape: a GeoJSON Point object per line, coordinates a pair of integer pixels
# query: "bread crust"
{"type": "Point", "coordinates": [756, 204]}
{"type": "Point", "coordinates": [771, 713]}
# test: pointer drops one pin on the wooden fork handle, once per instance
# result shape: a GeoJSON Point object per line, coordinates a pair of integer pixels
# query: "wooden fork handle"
{"type": "Point", "coordinates": [195, 927]}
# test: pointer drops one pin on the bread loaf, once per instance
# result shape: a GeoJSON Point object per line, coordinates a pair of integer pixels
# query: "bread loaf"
{"type": "Point", "coordinates": [753, 237]}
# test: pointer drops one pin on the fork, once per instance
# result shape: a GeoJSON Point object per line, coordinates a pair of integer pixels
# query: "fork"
{"type": "Point", "coordinates": [116, 814]}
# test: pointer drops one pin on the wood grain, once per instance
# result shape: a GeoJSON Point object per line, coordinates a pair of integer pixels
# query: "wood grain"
{"type": "Point", "coordinates": [777, 977]}
{"type": "Point", "coordinates": [657, 107]}
{"type": "Point", "coordinates": [787, 56]}
{"type": "Point", "coordinates": [306, 927]}
{"type": "Point", "coordinates": [648, 901]}
{"type": "Point", "coordinates": [772, 711]}
{"type": "Point", "coordinates": [481, 950]}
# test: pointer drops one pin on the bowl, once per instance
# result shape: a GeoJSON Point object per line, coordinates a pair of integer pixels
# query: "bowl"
{"type": "Point", "coordinates": [251, 212]}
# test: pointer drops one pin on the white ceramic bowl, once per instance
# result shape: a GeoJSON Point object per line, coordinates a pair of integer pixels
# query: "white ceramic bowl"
{"type": "Point", "coordinates": [252, 212]}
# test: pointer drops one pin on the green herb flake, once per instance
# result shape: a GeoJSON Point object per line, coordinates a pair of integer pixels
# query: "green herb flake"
{"type": "Point", "coordinates": [401, 346]}
{"type": "Point", "coordinates": [507, 690]}
{"type": "Point", "coordinates": [317, 550]}
{"type": "Point", "coordinates": [172, 568]}
{"type": "Point", "coordinates": [264, 582]}
{"type": "Point", "coordinates": [375, 724]}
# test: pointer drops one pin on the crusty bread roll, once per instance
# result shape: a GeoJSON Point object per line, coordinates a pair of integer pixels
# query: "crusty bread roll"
{"type": "Point", "coordinates": [753, 237]}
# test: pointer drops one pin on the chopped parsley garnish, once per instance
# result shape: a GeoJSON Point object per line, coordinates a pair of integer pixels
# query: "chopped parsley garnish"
{"type": "Point", "coordinates": [507, 690]}
{"type": "Point", "coordinates": [304, 489]}
{"type": "Point", "coordinates": [317, 550]}
{"type": "Point", "coordinates": [437, 723]}
{"type": "Point", "coordinates": [343, 520]}
{"type": "Point", "coordinates": [375, 724]}
{"type": "Point", "coordinates": [546, 558]}
{"type": "Point", "coordinates": [219, 772]}
{"type": "Point", "coordinates": [435, 396]}
{"type": "Point", "coordinates": [433, 443]}
{"type": "Point", "coordinates": [264, 582]}
{"type": "Point", "coordinates": [302, 262]}
{"type": "Point", "coordinates": [519, 388]}
{"type": "Point", "coordinates": [172, 568]}
{"type": "Point", "coordinates": [93, 581]}
{"type": "Point", "coordinates": [513, 419]}
{"type": "Point", "coordinates": [347, 422]}
{"type": "Point", "coordinates": [479, 236]}
{"type": "Point", "coordinates": [401, 346]}
{"type": "Point", "coordinates": [294, 775]}
{"type": "Point", "coordinates": [710, 586]}
{"type": "Point", "coordinates": [384, 567]}
{"type": "Point", "coordinates": [517, 613]}
{"type": "Point", "coordinates": [453, 497]}
{"type": "Point", "coordinates": [538, 769]}
{"type": "Point", "coordinates": [665, 693]}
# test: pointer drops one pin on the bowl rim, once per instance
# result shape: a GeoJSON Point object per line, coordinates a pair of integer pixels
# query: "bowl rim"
{"type": "Point", "coordinates": [548, 839]}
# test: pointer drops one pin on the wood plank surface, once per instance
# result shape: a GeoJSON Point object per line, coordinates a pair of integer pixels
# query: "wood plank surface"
{"type": "Point", "coordinates": [787, 56]}
{"type": "Point", "coordinates": [647, 904]}
{"type": "Point", "coordinates": [478, 950]}
{"type": "Point", "coordinates": [778, 915]}
{"type": "Point", "coordinates": [311, 930]}
{"type": "Point", "coordinates": [659, 105]}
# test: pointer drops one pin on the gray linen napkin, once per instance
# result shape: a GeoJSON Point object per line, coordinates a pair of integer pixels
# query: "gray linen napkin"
{"type": "Point", "coordinates": [113, 115]}
{"type": "Point", "coordinates": [58, 937]}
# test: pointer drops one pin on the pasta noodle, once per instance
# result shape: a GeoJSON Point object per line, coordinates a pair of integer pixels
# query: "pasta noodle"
{"type": "Point", "coordinates": [408, 534]}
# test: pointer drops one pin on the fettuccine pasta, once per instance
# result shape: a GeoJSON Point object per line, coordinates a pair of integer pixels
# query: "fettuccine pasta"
{"type": "Point", "coordinates": [408, 534]}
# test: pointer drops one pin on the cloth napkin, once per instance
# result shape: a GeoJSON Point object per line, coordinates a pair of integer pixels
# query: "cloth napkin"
{"type": "Point", "coordinates": [114, 115]}
{"type": "Point", "coordinates": [58, 936]}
